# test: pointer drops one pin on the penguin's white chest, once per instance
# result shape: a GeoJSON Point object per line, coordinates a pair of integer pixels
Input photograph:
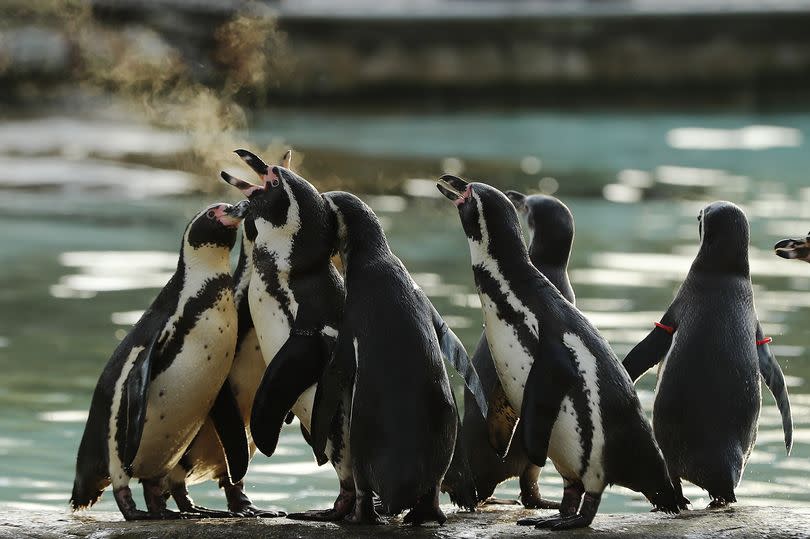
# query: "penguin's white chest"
{"type": "Point", "coordinates": [512, 361]}
{"type": "Point", "coordinates": [180, 397]}
{"type": "Point", "coordinates": [269, 317]}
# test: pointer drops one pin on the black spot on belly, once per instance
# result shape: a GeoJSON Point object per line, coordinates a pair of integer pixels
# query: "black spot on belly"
{"type": "Point", "coordinates": [209, 358]}
{"type": "Point", "coordinates": [266, 265]}
{"type": "Point", "coordinates": [161, 393]}
{"type": "Point", "coordinates": [211, 292]}
{"type": "Point", "coordinates": [162, 417]}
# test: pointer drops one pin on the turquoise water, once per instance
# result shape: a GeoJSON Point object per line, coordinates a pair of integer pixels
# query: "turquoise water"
{"type": "Point", "coordinates": [89, 236]}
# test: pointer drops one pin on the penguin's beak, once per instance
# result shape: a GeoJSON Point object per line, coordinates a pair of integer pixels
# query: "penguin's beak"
{"type": "Point", "coordinates": [454, 188]}
{"type": "Point", "coordinates": [794, 249]}
{"type": "Point", "coordinates": [248, 189]}
{"type": "Point", "coordinates": [228, 215]}
{"type": "Point", "coordinates": [265, 172]}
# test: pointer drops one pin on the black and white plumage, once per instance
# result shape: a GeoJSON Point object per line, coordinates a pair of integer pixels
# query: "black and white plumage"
{"type": "Point", "coordinates": [296, 299]}
{"type": "Point", "coordinates": [712, 352]}
{"type": "Point", "coordinates": [205, 460]}
{"type": "Point", "coordinates": [577, 404]}
{"type": "Point", "coordinates": [388, 358]}
{"type": "Point", "coordinates": [551, 234]}
{"type": "Point", "coordinates": [164, 379]}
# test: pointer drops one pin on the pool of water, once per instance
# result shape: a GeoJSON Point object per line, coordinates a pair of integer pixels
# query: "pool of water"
{"type": "Point", "coordinates": [90, 234]}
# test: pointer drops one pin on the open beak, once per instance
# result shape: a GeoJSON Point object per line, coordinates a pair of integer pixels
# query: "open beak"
{"type": "Point", "coordinates": [794, 249]}
{"type": "Point", "coordinates": [228, 215]}
{"type": "Point", "coordinates": [265, 172]}
{"type": "Point", "coordinates": [247, 188]}
{"type": "Point", "coordinates": [454, 188]}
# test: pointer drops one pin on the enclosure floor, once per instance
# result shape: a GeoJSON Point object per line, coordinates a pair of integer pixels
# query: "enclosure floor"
{"type": "Point", "coordinates": [740, 521]}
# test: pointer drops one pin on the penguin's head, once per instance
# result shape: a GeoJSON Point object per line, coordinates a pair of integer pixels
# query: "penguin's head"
{"type": "Point", "coordinates": [284, 208]}
{"type": "Point", "coordinates": [489, 219]}
{"type": "Point", "coordinates": [355, 219]}
{"type": "Point", "coordinates": [551, 227]}
{"type": "Point", "coordinates": [214, 227]}
{"type": "Point", "coordinates": [724, 234]}
{"type": "Point", "coordinates": [796, 249]}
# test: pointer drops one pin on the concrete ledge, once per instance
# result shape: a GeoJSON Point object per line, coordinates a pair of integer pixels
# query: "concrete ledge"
{"type": "Point", "coordinates": [498, 521]}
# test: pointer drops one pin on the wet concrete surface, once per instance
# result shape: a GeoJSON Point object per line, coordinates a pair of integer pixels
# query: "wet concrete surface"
{"type": "Point", "coordinates": [739, 521]}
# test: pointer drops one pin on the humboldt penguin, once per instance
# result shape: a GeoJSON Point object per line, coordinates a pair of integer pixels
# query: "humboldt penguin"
{"type": "Point", "coordinates": [551, 234]}
{"type": "Point", "coordinates": [296, 299]}
{"type": "Point", "coordinates": [712, 352]}
{"type": "Point", "coordinates": [165, 378]}
{"type": "Point", "coordinates": [577, 404]}
{"type": "Point", "coordinates": [388, 357]}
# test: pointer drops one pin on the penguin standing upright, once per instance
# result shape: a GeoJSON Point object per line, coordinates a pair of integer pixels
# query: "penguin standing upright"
{"type": "Point", "coordinates": [551, 234]}
{"type": "Point", "coordinates": [164, 379]}
{"type": "Point", "coordinates": [205, 460]}
{"type": "Point", "coordinates": [388, 358]}
{"type": "Point", "coordinates": [296, 299]}
{"type": "Point", "coordinates": [577, 404]}
{"type": "Point", "coordinates": [712, 350]}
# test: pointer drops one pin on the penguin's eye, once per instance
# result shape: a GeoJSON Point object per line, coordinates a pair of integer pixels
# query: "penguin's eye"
{"type": "Point", "coordinates": [210, 214]}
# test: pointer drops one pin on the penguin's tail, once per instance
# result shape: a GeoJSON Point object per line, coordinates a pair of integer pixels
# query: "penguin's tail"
{"type": "Point", "coordinates": [92, 475]}
{"type": "Point", "coordinates": [87, 491]}
{"type": "Point", "coordinates": [459, 482]}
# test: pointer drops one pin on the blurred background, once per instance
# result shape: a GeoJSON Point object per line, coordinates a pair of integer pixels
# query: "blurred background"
{"type": "Point", "coordinates": [117, 115]}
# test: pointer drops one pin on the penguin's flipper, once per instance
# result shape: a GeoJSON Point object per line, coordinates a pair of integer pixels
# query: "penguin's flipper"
{"type": "Point", "coordinates": [337, 377]}
{"type": "Point", "coordinates": [134, 399]}
{"type": "Point", "coordinates": [650, 351]}
{"type": "Point", "coordinates": [549, 380]}
{"type": "Point", "coordinates": [231, 432]}
{"type": "Point", "coordinates": [294, 368]}
{"type": "Point", "coordinates": [775, 380]}
{"type": "Point", "coordinates": [502, 421]}
{"type": "Point", "coordinates": [456, 354]}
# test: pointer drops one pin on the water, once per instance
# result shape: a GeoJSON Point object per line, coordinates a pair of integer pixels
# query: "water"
{"type": "Point", "coordinates": [91, 232]}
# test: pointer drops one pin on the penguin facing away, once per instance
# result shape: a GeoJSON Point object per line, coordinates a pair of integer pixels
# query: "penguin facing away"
{"type": "Point", "coordinates": [296, 302]}
{"type": "Point", "coordinates": [204, 460]}
{"type": "Point", "coordinates": [164, 379]}
{"type": "Point", "coordinates": [388, 359]}
{"type": "Point", "coordinates": [577, 404]}
{"type": "Point", "coordinates": [551, 234]}
{"type": "Point", "coordinates": [712, 352]}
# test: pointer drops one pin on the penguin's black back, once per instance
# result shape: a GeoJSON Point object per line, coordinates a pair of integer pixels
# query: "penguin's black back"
{"type": "Point", "coordinates": [708, 397]}
{"type": "Point", "coordinates": [403, 414]}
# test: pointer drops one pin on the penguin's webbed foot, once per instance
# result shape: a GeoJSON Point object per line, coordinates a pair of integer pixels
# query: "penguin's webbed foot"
{"type": "Point", "coordinates": [318, 515]}
{"type": "Point", "coordinates": [566, 523]}
{"type": "Point", "coordinates": [255, 512]}
{"type": "Point", "coordinates": [718, 503]}
{"type": "Point", "coordinates": [499, 501]}
{"type": "Point", "coordinates": [196, 511]}
{"type": "Point", "coordinates": [364, 511]}
{"type": "Point", "coordinates": [540, 522]}
{"type": "Point", "coordinates": [534, 501]}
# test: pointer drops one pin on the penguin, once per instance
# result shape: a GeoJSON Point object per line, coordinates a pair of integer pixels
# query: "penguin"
{"type": "Point", "coordinates": [712, 352]}
{"type": "Point", "coordinates": [388, 358]}
{"type": "Point", "coordinates": [798, 249]}
{"type": "Point", "coordinates": [551, 234]}
{"type": "Point", "coordinates": [165, 378]}
{"type": "Point", "coordinates": [295, 299]}
{"type": "Point", "coordinates": [204, 460]}
{"type": "Point", "coordinates": [577, 404]}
